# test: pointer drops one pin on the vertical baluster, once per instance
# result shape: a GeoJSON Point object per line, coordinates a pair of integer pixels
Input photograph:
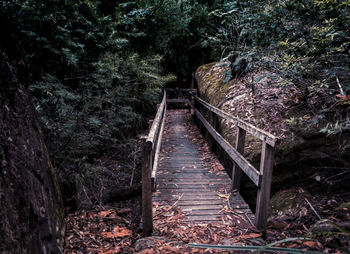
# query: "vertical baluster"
{"type": "Point", "coordinates": [147, 220]}
{"type": "Point", "coordinates": [236, 170]}
{"type": "Point", "coordinates": [189, 102]}
{"type": "Point", "coordinates": [263, 198]}
{"type": "Point", "coordinates": [213, 122]}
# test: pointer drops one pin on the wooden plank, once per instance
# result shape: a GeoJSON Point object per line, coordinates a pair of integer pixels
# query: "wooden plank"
{"type": "Point", "coordinates": [171, 165]}
{"type": "Point", "coordinates": [194, 162]}
{"type": "Point", "coordinates": [189, 190]}
{"type": "Point", "coordinates": [263, 198]}
{"type": "Point", "coordinates": [195, 212]}
{"type": "Point", "coordinates": [186, 197]}
{"type": "Point", "coordinates": [168, 170]}
{"type": "Point", "coordinates": [199, 222]}
{"type": "Point", "coordinates": [256, 132]}
{"type": "Point", "coordinates": [237, 171]}
{"type": "Point", "coordinates": [195, 181]}
{"type": "Point", "coordinates": [202, 208]}
{"type": "Point", "coordinates": [194, 190]}
{"type": "Point", "coordinates": [177, 101]}
{"type": "Point", "coordinates": [237, 201]}
{"type": "Point", "coordinates": [182, 90]}
{"type": "Point", "coordinates": [192, 173]}
{"type": "Point", "coordinates": [191, 185]}
{"type": "Point", "coordinates": [204, 218]}
{"type": "Point", "coordinates": [189, 195]}
{"type": "Point", "coordinates": [199, 202]}
{"type": "Point", "coordinates": [190, 176]}
{"type": "Point", "coordinates": [242, 162]}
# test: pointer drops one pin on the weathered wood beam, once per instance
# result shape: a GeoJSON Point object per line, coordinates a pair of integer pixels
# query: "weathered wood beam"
{"type": "Point", "coordinates": [256, 132]}
{"type": "Point", "coordinates": [180, 90]}
{"type": "Point", "coordinates": [237, 171]}
{"type": "Point", "coordinates": [147, 217]}
{"type": "Point", "coordinates": [242, 162]}
{"type": "Point", "coordinates": [177, 101]}
{"type": "Point", "coordinates": [263, 198]}
{"type": "Point", "coordinates": [156, 122]}
{"type": "Point", "coordinates": [148, 155]}
{"type": "Point", "coordinates": [156, 156]}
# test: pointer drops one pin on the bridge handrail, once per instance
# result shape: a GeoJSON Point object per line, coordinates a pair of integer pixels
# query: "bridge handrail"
{"type": "Point", "coordinates": [262, 178]}
{"type": "Point", "coordinates": [150, 157]}
{"type": "Point", "coordinates": [256, 132]}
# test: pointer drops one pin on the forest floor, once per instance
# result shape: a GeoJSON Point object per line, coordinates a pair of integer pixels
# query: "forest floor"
{"type": "Point", "coordinates": [116, 228]}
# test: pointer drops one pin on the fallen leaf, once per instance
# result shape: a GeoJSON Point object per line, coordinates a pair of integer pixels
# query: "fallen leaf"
{"type": "Point", "coordinates": [226, 196]}
{"type": "Point", "coordinates": [117, 232]}
{"type": "Point", "coordinates": [124, 210]}
{"type": "Point", "coordinates": [312, 244]}
{"type": "Point", "coordinates": [104, 213]}
{"type": "Point", "coordinates": [293, 245]}
{"type": "Point", "coordinates": [117, 250]}
{"type": "Point", "coordinates": [343, 97]}
{"type": "Point", "coordinates": [252, 235]}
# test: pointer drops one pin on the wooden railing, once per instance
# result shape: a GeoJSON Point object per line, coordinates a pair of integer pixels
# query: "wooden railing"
{"type": "Point", "coordinates": [150, 158]}
{"type": "Point", "coordinates": [261, 178]}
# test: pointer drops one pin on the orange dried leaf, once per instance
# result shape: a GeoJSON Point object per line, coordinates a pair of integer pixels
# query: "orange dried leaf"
{"type": "Point", "coordinates": [312, 244]}
{"type": "Point", "coordinates": [293, 245]}
{"type": "Point", "coordinates": [124, 210]}
{"type": "Point", "coordinates": [104, 213]}
{"type": "Point", "coordinates": [110, 251]}
{"type": "Point", "coordinates": [227, 196]}
{"type": "Point", "coordinates": [343, 97]}
{"type": "Point", "coordinates": [252, 235]}
{"type": "Point", "coordinates": [117, 232]}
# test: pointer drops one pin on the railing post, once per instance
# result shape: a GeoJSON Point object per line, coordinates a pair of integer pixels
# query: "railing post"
{"type": "Point", "coordinates": [213, 122]}
{"type": "Point", "coordinates": [213, 119]}
{"type": "Point", "coordinates": [236, 170]}
{"type": "Point", "coordinates": [263, 198]}
{"type": "Point", "coordinates": [147, 219]}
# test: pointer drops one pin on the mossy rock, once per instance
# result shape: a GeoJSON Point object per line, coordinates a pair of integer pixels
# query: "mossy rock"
{"type": "Point", "coordinates": [287, 200]}
{"type": "Point", "coordinates": [272, 103]}
{"type": "Point", "coordinates": [210, 78]}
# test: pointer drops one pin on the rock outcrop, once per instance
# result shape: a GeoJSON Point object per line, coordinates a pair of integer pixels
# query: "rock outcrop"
{"type": "Point", "coordinates": [280, 107]}
{"type": "Point", "coordinates": [31, 213]}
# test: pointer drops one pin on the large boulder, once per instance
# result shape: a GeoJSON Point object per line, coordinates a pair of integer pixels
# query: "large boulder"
{"type": "Point", "coordinates": [31, 214]}
{"type": "Point", "coordinates": [278, 106]}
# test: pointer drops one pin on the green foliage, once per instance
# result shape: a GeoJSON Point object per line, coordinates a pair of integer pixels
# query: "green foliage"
{"type": "Point", "coordinates": [98, 67]}
{"type": "Point", "coordinates": [104, 110]}
{"type": "Point", "coordinates": [308, 35]}
{"type": "Point", "coordinates": [336, 128]}
{"type": "Point", "coordinates": [95, 83]}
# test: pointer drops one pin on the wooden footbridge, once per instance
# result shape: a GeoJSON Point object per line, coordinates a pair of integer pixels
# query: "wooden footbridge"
{"type": "Point", "coordinates": [173, 171]}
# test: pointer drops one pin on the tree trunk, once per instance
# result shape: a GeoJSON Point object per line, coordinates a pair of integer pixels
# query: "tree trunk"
{"type": "Point", "coordinates": [31, 211]}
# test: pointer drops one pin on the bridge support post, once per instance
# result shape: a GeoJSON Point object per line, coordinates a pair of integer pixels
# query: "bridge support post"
{"type": "Point", "coordinates": [213, 123]}
{"type": "Point", "coordinates": [147, 217]}
{"type": "Point", "coordinates": [263, 199]}
{"type": "Point", "coordinates": [236, 170]}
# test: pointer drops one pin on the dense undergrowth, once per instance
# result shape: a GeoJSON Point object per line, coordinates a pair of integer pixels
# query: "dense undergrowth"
{"type": "Point", "coordinates": [306, 42]}
{"type": "Point", "coordinates": [96, 68]}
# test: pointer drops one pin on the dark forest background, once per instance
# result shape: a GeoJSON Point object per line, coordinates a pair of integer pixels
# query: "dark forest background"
{"type": "Point", "coordinates": [96, 69]}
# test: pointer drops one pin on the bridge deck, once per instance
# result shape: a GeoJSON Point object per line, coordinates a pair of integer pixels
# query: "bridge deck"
{"type": "Point", "coordinates": [183, 176]}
